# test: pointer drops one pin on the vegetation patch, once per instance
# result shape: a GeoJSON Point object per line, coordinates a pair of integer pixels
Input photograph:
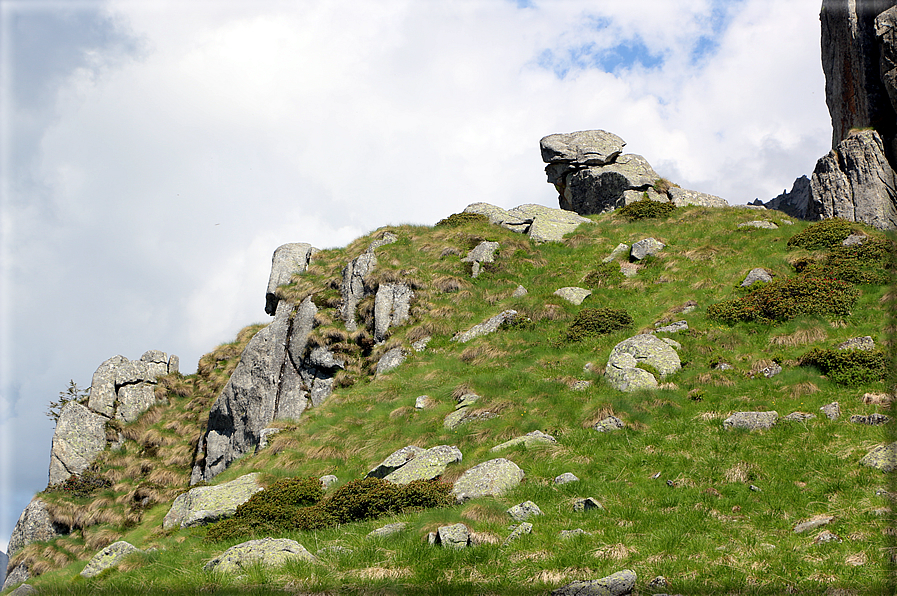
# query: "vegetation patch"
{"type": "Point", "coordinates": [605, 275]}
{"type": "Point", "coordinates": [848, 367]}
{"type": "Point", "coordinates": [590, 322]}
{"type": "Point", "coordinates": [867, 263]}
{"type": "Point", "coordinates": [81, 485]}
{"type": "Point", "coordinates": [456, 220]}
{"type": "Point", "coordinates": [782, 300]}
{"type": "Point", "coordinates": [828, 233]}
{"type": "Point", "coordinates": [646, 209]}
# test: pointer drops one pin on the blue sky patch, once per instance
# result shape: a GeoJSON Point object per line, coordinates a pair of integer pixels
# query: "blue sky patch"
{"type": "Point", "coordinates": [626, 54]}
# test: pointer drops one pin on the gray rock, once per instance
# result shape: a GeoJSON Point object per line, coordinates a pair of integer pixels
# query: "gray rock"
{"type": "Point", "coordinates": [519, 292]}
{"type": "Point", "coordinates": [760, 224]}
{"type": "Point", "coordinates": [388, 530]}
{"type": "Point", "coordinates": [658, 583]}
{"type": "Point", "coordinates": [832, 410]}
{"type": "Point", "coordinates": [681, 197]}
{"type": "Point", "coordinates": [353, 288]}
{"type": "Point", "coordinates": [799, 416]}
{"type": "Point", "coordinates": [622, 370]}
{"type": "Point", "coordinates": [673, 328]}
{"type": "Point", "coordinates": [426, 466]}
{"type": "Point", "coordinates": [34, 525]}
{"type": "Point", "coordinates": [207, 504]}
{"type": "Point", "coordinates": [107, 558]}
{"type": "Point", "coordinates": [133, 400]}
{"type": "Point", "coordinates": [618, 584]}
{"type": "Point", "coordinates": [524, 511]}
{"type": "Point", "coordinates": [391, 308]}
{"type": "Point", "coordinates": [383, 240]}
{"type": "Point", "coordinates": [646, 247]}
{"type": "Point", "coordinates": [634, 196]}
{"type": "Point", "coordinates": [580, 385]}
{"type": "Point", "coordinates": [757, 274]}
{"type": "Point", "coordinates": [587, 147]}
{"type": "Point", "coordinates": [421, 344]}
{"type": "Point", "coordinates": [573, 295]}
{"type": "Point", "coordinates": [287, 260]}
{"type": "Point", "coordinates": [80, 436]}
{"type": "Point", "coordinates": [501, 217]}
{"type": "Point", "coordinates": [270, 552]}
{"type": "Point", "coordinates": [491, 478]}
{"type": "Point", "coordinates": [858, 343]}
{"type": "Point", "coordinates": [549, 225]}
{"type": "Point", "coordinates": [609, 424]}
{"type": "Point", "coordinates": [587, 504]}
{"type": "Point", "coordinates": [264, 435]}
{"type": "Point", "coordinates": [722, 366]}
{"type": "Point", "coordinates": [826, 536]}
{"type": "Point", "coordinates": [871, 419]}
{"type": "Point", "coordinates": [102, 387]}
{"type": "Point", "coordinates": [328, 481]}
{"type": "Point", "coordinates": [484, 252]}
{"type": "Point", "coordinates": [573, 533]}
{"type": "Point", "coordinates": [535, 437]}
{"type": "Point", "coordinates": [174, 364]}
{"type": "Point", "coordinates": [455, 536]}
{"type": "Point", "coordinates": [620, 251]}
{"type": "Point", "coordinates": [751, 420]}
{"type": "Point", "coordinates": [390, 360]}
{"type": "Point", "coordinates": [883, 457]}
{"type": "Point", "coordinates": [855, 240]}
{"type": "Point", "coordinates": [520, 530]}
{"type": "Point", "coordinates": [565, 478]}
{"type": "Point", "coordinates": [321, 357]}
{"type": "Point", "coordinates": [628, 269]}
{"type": "Point", "coordinates": [424, 402]}
{"type": "Point", "coordinates": [886, 36]}
{"type": "Point", "coordinates": [811, 524]}
{"type": "Point", "coordinates": [395, 460]}
{"type": "Point", "coordinates": [24, 590]}
{"type": "Point", "coordinates": [16, 576]}
{"type": "Point", "coordinates": [486, 327]}
{"type": "Point", "coordinates": [589, 190]}
{"type": "Point", "coordinates": [768, 371]}
{"type": "Point", "coordinates": [4, 562]}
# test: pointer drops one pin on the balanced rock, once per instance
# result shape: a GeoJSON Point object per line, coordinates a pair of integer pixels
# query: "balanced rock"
{"type": "Point", "coordinates": [426, 465]}
{"type": "Point", "coordinates": [270, 552]}
{"type": "Point", "coordinates": [208, 504]}
{"type": "Point", "coordinates": [491, 478]}
{"type": "Point", "coordinates": [751, 420]}
{"type": "Point", "coordinates": [287, 260]}
{"type": "Point", "coordinates": [107, 558]}
{"type": "Point", "coordinates": [618, 584]}
{"type": "Point", "coordinates": [622, 370]}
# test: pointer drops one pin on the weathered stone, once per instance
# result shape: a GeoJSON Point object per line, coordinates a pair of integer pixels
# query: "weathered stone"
{"type": "Point", "coordinates": [618, 584]}
{"type": "Point", "coordinates": [270, 552]}
{"type": "Point", "coordinates": [34, 525]}
{"type": "Point", "coordinates": [391, 308]}
{"type": "Point", "coordinates": [883, 457]}
{"type": "Point", "coordinates": [623, 374]}
{"type": "Point", "coordinates": [855, 240]}
{"type": "Point", "coordinates": [675, 327]}
{"type": "Point", "coordinates": [799, 416]}
{"type": "Point", "coordinates": [321, 357]}
{"type": "Point", "coordinates": [133, 400]}
{"type": "Point", "coordinates": [156, 362]}
{"type": "Point", "coordinates": [609, 424]}
{"type": "Point", "coordinates": [484, 252]}
{"type": "Point", "coordinates": [811, 524]}
{"type": "Point", "coordinates": [390, 360]}
{"type": "Point", "coordinates": [455, 536]}
{"type": "Point", "coordinates": [751, 420]}
{"type": "Point", "coordinates": [635, 196]}
{"type": "Point", "coordinates": [628, 269]}
{"type": "Point", "coordinates": [565, 478]}
{"type": "Point", "coordinates": [384, 239]}
{"type": "Point", "coordinates": [174, 364]}
{"type": "Point", "coordinates": [287, 260]}
{"type": "Point", "coordinates": [520, 530]}
{"type": "Point", "coordinates": [573, 295]}
{"type": "Point", "coordinates": [24, 590]}
{"type": "Point", "coordinates": [16, 576]}
{"type": "Point", "coordinates": [208, 504]}
{"type": "Point", "coordinates": [524, 511]}
{"type": "Point", "coordinates": [485, 327]}
{"type": "Point", "coordinates": [658, 583]}
{"type": "Point", "coordinates": [620, 251]}
{"type": "Point", "coordinates": [501, 217]}
{"type": "Point", "coordinates": [388, 530]}
{"type": "Point", "coordinates": [328, 481]}
{"type": "Point", "coordinates": [622, 370]}
{"type": "Point", "coordinates": [108, 557]}
{"type": "Point", "coordinates": [681, 197]}
{"type": "Point", "coordinates": [757, 274]}
{"type": "Point", "coordinates": [530, 439]}
{"type": "Point", "coordinates": [588, 189]}
{"type": "Point", "coordinates": [587, 147]}
{"type": "Point", "coordinates": [768, 371]}
{"type": "Point", "coordinates": [102, 387]}
{"type": "Point", "coordinates": [80, 436]}
{"type": "Point", "coordinates": [871, 419]}
{"type": "Point", "coordinates": [858, 343]}
{"type": "Point", "coordinates": [548, 225]}
{"type": "Point", "coordinates": [395, 460]}
{"type": "Point", "coordinates": [424, 402]}
{"type": "Point", "coordinates": [426, 466]}
{"type": "Point", "coordinates": [519, 292]}
{"type": "Point", "coordinates": [491, 478]}
{"type": "Point", "coordinates": [832, 410]}
{"type": "Point", "coordinates": [646, 247]}
{"type": "Point", "coordinates": [587, 504]}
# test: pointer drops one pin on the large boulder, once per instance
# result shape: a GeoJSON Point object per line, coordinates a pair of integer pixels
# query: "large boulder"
{"type": "Point", "coordinates": [287, 260]}
{"type": "Point", "coordinates": [491, 478]}
{"type": "Point", "coordinates": [108, 557]}
{"type": "Point", "coordinates": [207, 504]}
{"type": "Point", "coordinates": [425, 466]}
{"type": "Point", "coordinates": [271, 552]}
{"type": "Point", "coordinates": [79, 438]}
{"type": "Point", "coordinates": [123, 389]}
{"type": "Point", "coordinates": [391, 308]}
{"type": "Point", "coordinates": [623, 372]}
{"type": "Point", "coordinates": [34, 525]}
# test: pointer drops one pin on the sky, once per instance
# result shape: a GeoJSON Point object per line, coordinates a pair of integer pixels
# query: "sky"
{"type": "Point", "coordinates": [155, 152]}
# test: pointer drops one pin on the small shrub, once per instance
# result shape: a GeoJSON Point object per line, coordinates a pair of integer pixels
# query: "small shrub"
{"type": "Point", "coordinates": [461, 219]}
{"type": "Point", "coordinates": [784, 299]}
{"type": "Point", "coordinates": [518, 323]}
{"type": "Point", "coordinates": [848, 367]}
{"type": "Point", "coordinates": [825, 234]}
{"type": "Point", "coordinates": [590, 322]}
{"type": "Point", "coordinates": [868, 263]}
{"type": "Point", "coordinates": [277, 503]}
{"type": "Point", "coordinates": [646, 209]}
{"type": "Point", "coordinates": [607, 274]}
{"type": "Point", "coordinates": [81, 485]}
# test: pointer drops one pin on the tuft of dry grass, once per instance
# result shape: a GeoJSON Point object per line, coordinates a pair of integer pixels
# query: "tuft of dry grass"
{"type": "Point", "coordinates": [741, 472]}
{"type": "Point", "coordinates": [806, 388]}
{"type": "Point", "coordinates": [799, 337]}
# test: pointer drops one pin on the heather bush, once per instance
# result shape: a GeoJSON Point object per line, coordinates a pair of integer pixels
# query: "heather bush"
{"type": "Point", "coordinates": [590, 322]}
{"type": "Point", "coordinates": [81, 485]}
{"type": "Point", "coordinates": [848, 367]}
{"type": "Point", "coordinates": [646, 209]}
{"type": "Point", "coordinates": [459, 219]}
{"type": "Point", "coordinates": [605, 275]}
{"type": "Point", "coordinates": [784, 299]}
{"type": "Point", "coordinates": [825, 234]}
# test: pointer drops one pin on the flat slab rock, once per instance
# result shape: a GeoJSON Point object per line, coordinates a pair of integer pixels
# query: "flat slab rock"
{"type": "Point", "coordinates": [618, 584]}
{"type": "Point", "coordinates": [573, 294]}
{"type": "Point", "coordinates": [425, 466]}
{"type": "Point", "coordinates": [491, 478]}
{"type": "Point", "coordinates": [207, 504]}
{"type": "Point", "coordinates": [388, 530]}
{"type": "Point", "coordinates": [395, 460]}
{"type": "Point", "coordinates": [751, 420]}
{"type": "Point", "coordinates": [537, 437]}
{"type": "Point", "coordinates": [108, 557]}
{"type": "Point", "coordinates": [883, 457]}
{"type": "Point", "coordinates": [488, 326]}
{"type": "Point", "coordinates": [271, 552]}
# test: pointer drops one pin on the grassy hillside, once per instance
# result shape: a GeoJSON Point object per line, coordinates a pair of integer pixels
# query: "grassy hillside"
{"type": "Point", "coordinates": [712, 510]}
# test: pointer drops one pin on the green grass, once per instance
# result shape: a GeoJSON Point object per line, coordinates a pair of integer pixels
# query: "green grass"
{"type": "Point", "coordinates": [699, 523]}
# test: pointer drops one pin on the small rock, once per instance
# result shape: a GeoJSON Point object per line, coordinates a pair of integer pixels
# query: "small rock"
{"type": "Point", "coordinates": [573, 295]}
{"type": "Point", "coordinates": [858, 343]}
{"type": "Point", "coordinates": [424, 402]}
{"type": "Point", "coordinates": [673, 328]}
{"type": "Point", "coordinates": [565, 478]}
{"type": "Point", "coordinates": [483, 253]}
{"type": "Point", "coordinates": [871, 419]}
{"type": "Point", "coordinates": [812, 524]}
{"type": "Point", "coordinates": [390, 360]}
{"type": "Point", "coordinates": [587, 504]}
{"type": "Point", "coordinates": [768, 371]}
{"type": "Point", "coordinates": [617, 253]}
{"type": "Point", "coordinates": [628, 269]}
{"type": "Point", "coordinates": [264, 435]}
{"type": "Point", "coordinates": [328, 481]}
{"type": "Point", "coordinates": [722, 366]}
{"type": "Point", "coordinates": [524, 511]}
{"type": "Point", "coordinates": [751, 420]}
{"type": "Point", "coordinates": [523, 528]}
{"type": "Point", "coordinates": [388, 530]}
{"type": "Point", "coordinates": [658, 583]}
{"type": "Point", "coordinates": [762, 224]}
{"type": "Point", "coordinates": [24, 590]}
{"type": "Point", "coordinates": [609, 424]}
{"type": "Point", "coordinates": [646, 247]}
{"type": "Point", "coordinates": [574, 533]}
{"type": "Point", "coordinates": [455, 536]}
{"type": "Point", "coordinates": [757, 274]}
{"type": "Point", "coordinates": [580, 385]}
{"type": "Point", "coordinates": [878, 399]}
{"type": "Point", "coordinates": [832, 410]}
{"type": "Point", "coordinates": [618, 584]}
{"type": "Point", "coordinates": [755, 489]}
{"type": "Point", "coordinates": [800, 416]}
{"type": "Point", "coordinates": [519, 292]}
{"type": "Point", "coordinates": [421, 344]}
{"type": "Point", "coordinates": [491, 478]}
{"type": "Point", "coordinates": [826, 536]}
{"type": "Point", "coordinates": [107, 558]}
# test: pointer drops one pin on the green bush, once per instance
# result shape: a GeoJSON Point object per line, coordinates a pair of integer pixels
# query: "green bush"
{"type": "Point", "coordinates": [460, 219]}
{"type": "Point", "coordinates": [868, 263]}
{"type": "Point", "coordinates": [646, 209]}
{"type": "Point", "coordinates": [825, 234]}
{"type": "Point", "coordinates": [277, 503]}
{"type": "Point", "coordinates": [590, 322]}
{"type": "Point", "coordinates": [784, 299]}
{"type": "Point", "coordinates": [81, 485]}
{"type": "Point", "coordinates": [605, 275]}
{"type": "Point", "coordinates": [848, 367]}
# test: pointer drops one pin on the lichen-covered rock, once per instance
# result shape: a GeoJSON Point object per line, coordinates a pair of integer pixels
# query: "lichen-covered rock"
{"type": "Point", "coordinates": [522, 529]}
{"type": "Point", "coordinates": [287, 260]}
{"type": "Point", "coordinates": [618, 584]}
{"type": "Point", "coordinates": [871, 419]}
{"type": "Point", "coordinates": [566, 478]}
{"type": "Point", "coordinates": [609, 424]}
{"type": "Point", "coordinates": [395, 460]}
{"type": "Point", "coordinates": [549, 225]}
{"type": "Point", "coordinates": [751, 420]}
{"type": "Point", "coordinates": [454, 536]}
{"type": "Point", "coordinates": [390, 360]}
{"type": "Point", "coordinates": [387, 530]}
{"type": "Point", "coordinates": [573, 295]}
{"type": "Point", "coordinates": [524, 511]}
{"type": "Point", "coordinates": [107, 558]}
{"type": "Point", "coordinates": [536, 437]}
{"type": "Point", "coordinates": [80, 436]}
{"type": "Point", "coordinates": [623, 372]}
{"type": "Point", "coordinates": [681, 197]}
{"type": "Point", "coordinates": [486, 327]}
{"type": "Point", "coordinates": [391, 308]}
{"type": "Point", "coordinates": [646, 247]}
{"type": "Point", "coordinates": [426, 466]}
{"type": "Point", "coordinates": [858, 343]}
{"type": "Point", "coordinates": [24, 590]}
{"type": "Point", "coordinates": [586, 147]}
{"type": "Point", "coordinates": [674, 327]}
{"type": "Point", "coordinates": [758, 274]}
{"type": "Point", "coordinates": [883, 457]}
{"type": "Point", "coordinates": [270, 552]}
{"type": "Point", "coordinates": [484, 252]}
{"type": "Point", "coordinates": [491, 478]}
{"type": "Point", "coordinates": [34, 525]}
{"type": "Point", "coordinates": [102, 387]}
{"type": "Point", "coordinates": [16, 576]}
{"type": "Point", "coordinates": [587, 504]}
{"type": "Point", "coordinates": [207, 504]}
{"type": "Point", "coordinates": [424, 402]}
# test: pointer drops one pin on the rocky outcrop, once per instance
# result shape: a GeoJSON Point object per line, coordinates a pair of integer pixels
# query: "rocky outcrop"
{"type": "Point", "coordinates": [395, 460]}
{"type": "Point", "coordinates": [353, 287]}
{"type": "Point", "coordinates": [623, 372]}
{"type": "Point", "coordinates": [108, 558]}
{"type": "Point", "coordinates": [278, 377]}
{"type": "Point", "coordinates": [540, 223]}
{"type": "Point", "coordinates": [287, 260]}
{"type": "Point", "coordinates": [207, 504]}
{"type": "Point", "coordinates": [34, 525]}
{"type": "Point", "coordinates": [391, 308]}
{"type": "Point", "coordinates": [270, 552]}
{"type": "Point", "coordinates": [79, 438]}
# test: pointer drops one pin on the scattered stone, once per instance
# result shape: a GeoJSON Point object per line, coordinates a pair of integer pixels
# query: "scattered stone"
{"type": "Point", "coordinates": [454, 536]}
{"type": "Point", "coordinates": [573, 295]}
{"type": "Point", "coordinates": [390, 360]}
{"type": "Point", "coordinates": [832, 410]}
{"type": "Point", "coordinates": [484, 252]}
{"type": "Point", "coordinates": [883, 457]}
{"type": "Point", "coordinates": [328, 481]}
{"type": "Point", "coordinates": [871, 419]}
{"type": "Point", "coordinates": [565, 478]}
{"type": "Point", "coordinates": [587, 504]}
{"type": "Point", "coordinates": [395, 460]}
{"type": "Point", "coordinates": [271, 552]}
{"type": "Point", "coordinates": [519, 292]}
{"type": "Point", "coordinates": [573, 533]}
{"type": "Point", "coordinates": [424, 402]}
{"type": "Point", "coordinates": [523, 528]}
{"type": "Point", "coordinates": [768, 371]}
{"type": "Point", "coordinates": [618, 584]}
{"type": "Point", "coordinates": [619, 252]}
{"type": "Point", "coordinates": [208, 504]}
{"type": "Point", "coordinates": [646, 247]}
{"type": "Point", "coordinates": [24, 590]}
{"type": "Point", "coordinates": [622, 370]}
{"type": "Point", "coordinates": [751, 420]}
{"type": "Point", "coordinates": [287, 260]}
{"type": "Point", "coordinates": [858, 343]}
{"type": "Point", "coordinates": [609, 424]}
{"type": "Point", "coordinates": [537, 437]}
{"type": "Point", "coordinates": [524, 511]}
{"type": "Point", "coordinates": [755, 489]}
{"type": "Point", "coordinates": [427, 465]}
{"type": "Point", "coordinates": [421, 344]}
{"type": "Point", "coordinates": [264, 435]}
{"type": "Point", "coordinates": [388, 530]}
{"type": "Point", "coordinates": [391, 308]}
{"type": "Point", "coordinates": [800, 416]}
{"type": "Point", "coordinates": [762, 224]}
{"type": "Point", "coordinates": [671, 328]}
{"type": "Point", "coordinates": [756, 275]}
{"type": "Point", "coordinates": [486, 327]}
{"type": "Point", "coordinates": [108, 557]}
{"type": "Point", "coordinates": [826, 536]}
{"type": "Point", "coordinates": [491, 478]}
{"type": "Point", "coordinates": [34, 525]}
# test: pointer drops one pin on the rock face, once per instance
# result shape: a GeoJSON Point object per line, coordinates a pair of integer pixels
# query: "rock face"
{"type": "Point", "coordinates": [353, 288]}
{"type": "Point", "coordinates": [107, 558]}
{"type": "Point", "coordinates": [623, 372]}
{"type": "Point", "coordinates": [287, 260]}
{"type": "Point", "coordinates": [278, 377]}
{"type": "Point", "coordinates": [391, 308]}
{"type": "Point", "coordinates": [267, 551]}
{"type": "Point", "coordinates": [34, 525]}
{"type": "Point", "coordinates": [79, 438]}
{"type": "Point", "coordinates": [207, 504]}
